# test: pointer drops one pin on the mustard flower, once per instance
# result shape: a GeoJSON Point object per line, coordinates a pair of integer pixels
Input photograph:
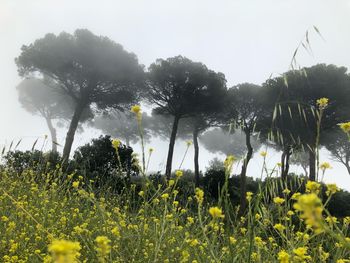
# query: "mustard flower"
{"type": "Point", "coordinates": [75, 184]}
{"type": "Point", "coordinates": [116, 143]}
{"type": "Point", "coordinates": [311, 208]}
{"type": "Point", "coordinates": [178, 173]}
{"type": "Point", "coordinates": [199, 194]}
{"type": "Point", "coordinates": [103, 247]}
{"type": "Point", "coordinates": [279, 227]}
{"type": "Point", "coordinates": [324, 166]}
{"type": "Point", "coordinates": [283, 257]}
{"type": "Point", "coordinates": [301, 254]}
{"type": "Point", "coordinates": [345, 126]}
{"type": "Point", "coordinates": [331, 189]}
{"type": "Point", "coordinates": [278, 200]}
{"type": "Point", "coordinates": [263, 153]}
{"type": "Point", "coordinates": [216, 212]}
{"type": "Point", "coordinates": [249, 196]}
{"type": "Point", "coordinates": [64, 251]}
{"type": "Point", "coordinates": [322, 103]}
{"type": "Point", "coordinates": [313, 187]}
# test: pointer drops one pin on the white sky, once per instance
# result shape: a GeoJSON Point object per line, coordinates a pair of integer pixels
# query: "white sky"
{"type": "Point", "coordinates": [248, 40]}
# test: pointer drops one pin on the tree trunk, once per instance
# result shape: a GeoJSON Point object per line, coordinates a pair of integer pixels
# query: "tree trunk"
{"type": "Point", "coordinates": [306, 173]}
{"type": "Point", "coordinates": [347, 167]}
{"type": "Point", "coordinates": [171, 147]}
{"type": "Point", "coordinates": [196, 156]}
{"type": "Point", "coordinates": [286, 170]}
{"type": "Point", "coordinates": [312, 165]}
{"type": "Point", "coordinates": [285, 162]}
{"type": "Point", "coordinates": [283, 159]}
{"type": "Point", "coordinates": [71, 131]}
{"type": "Point", "coordinates": [243, 201]}
{"type": "Point", "coordinates": [53, 134]}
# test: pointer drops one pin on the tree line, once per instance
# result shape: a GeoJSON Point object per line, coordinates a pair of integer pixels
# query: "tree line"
{"type": "Point", "coordinates": [82, 77]}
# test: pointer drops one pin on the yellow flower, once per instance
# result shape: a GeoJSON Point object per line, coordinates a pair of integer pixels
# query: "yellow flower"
{"type": "Point", "coordinates": [331, 189]}
{"type": "Point", "coordinates": [64, 251]}
{"type": "Point", "coordinates": [75, 184]}
{"type": "Point", "coordinates": [165, 196]}
{"type": "Point", "coordinates": [178, 173]}
{"type": "Point", "coordinates": [279, 164]}
{"type": "Point", "coordinates": [279, 227]}
{"type": "Point", "coordinates": [301, 254]}
{"type": "Point", "coordinates": [286, 191]}
{"type": "Point", "coordinates": [141, 193]}
{"type": "Point", "coordinates": [150, 150]}
{"type": "Point", "coordinates": [194, 242]}
{"type": "Point", "coordinates": [263, 153]}
{"type": "Point", "coordinates": [311, 209]}
{"type": "Point", "coordinates": [171, 182]}
{"type": "Point", "coordinates": [325, 165]}
{"type": "Point", "coordinates": [258, 241]}
{"type": "Point", "coordinates": [136, 109]}
{"type": "Point", "coordinates": [322, 103]}
{"type": "Point", "coordinates": [331, 220]}
{"type": "Point", "coordinates": [116, 143]}
{"type": "Point", "coordinates": [249, 196]}
{"type": "Point", "coordinates": [283, 257]}
{"type": "Point", "coordinates": [199, 195]}
{"type": "Point", "coordinates": [188, 143]}
{"type": "Point", "coordinates": [103, 247]}
{"type": "Point", "coordinates": [232, 240]}
{"type": "Point", "coordinates": [190, 220]}
{"type": "Point", "coordinates": [216, 212]}
{"type": "Point", "coordinates": [345, 126]}
{"type": "Point", "coordinates": [295, 196]}
{"type": "Point", "coordinates": [230, 159]}
{"type": "Point", "coordinates": [312, 187]}
{"type": "Point", "coordinates": [278, 200]}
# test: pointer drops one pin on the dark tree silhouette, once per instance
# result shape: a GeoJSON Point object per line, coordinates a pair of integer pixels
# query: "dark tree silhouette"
{"type": "Point", "coordinates": [297, 93]}
{"type": "Point", "coordinates": [248, 103]}
{"type": "Point", "coordinates": [182, 88]}
{"type": "Point", "coordinates": [43, 97]}
{"type": "Point", "coordinates": [88, 68]}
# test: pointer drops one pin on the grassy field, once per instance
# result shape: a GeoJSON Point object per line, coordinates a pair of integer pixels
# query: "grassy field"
{"type": "Point", "coordinates": [53, 218]}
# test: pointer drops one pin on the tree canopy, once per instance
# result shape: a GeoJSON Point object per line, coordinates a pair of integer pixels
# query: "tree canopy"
{"type": "Point", "coordinates": [88, 68]}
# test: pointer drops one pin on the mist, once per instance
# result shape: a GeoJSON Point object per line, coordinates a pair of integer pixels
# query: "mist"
{"type": "Point", "coordinates": [248, 41]}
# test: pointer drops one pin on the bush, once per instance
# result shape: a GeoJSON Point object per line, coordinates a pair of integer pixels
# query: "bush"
{"type": "Point", "coordinates": [99, 161]}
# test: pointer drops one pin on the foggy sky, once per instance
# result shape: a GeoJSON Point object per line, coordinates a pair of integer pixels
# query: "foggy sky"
{"type": "Point", "coordinates": [247, 40]}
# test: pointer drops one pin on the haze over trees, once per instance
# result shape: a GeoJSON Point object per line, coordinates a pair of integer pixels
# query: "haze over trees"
{"type": "Point", "coordinates": [81, 76]}
{"type": "Point", "coordinates": [296, 103]}
{"type": "Point", "coordinates": [182, 88]}
{"type": "Point", "coordinates": [89, 69]}
{"type": "Point", "coordinates": [247, 107]}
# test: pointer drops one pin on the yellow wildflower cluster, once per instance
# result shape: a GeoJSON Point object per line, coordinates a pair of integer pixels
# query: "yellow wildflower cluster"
{"type": "Point", "coordinates": [312, 187]}
{"type": "Point", "coordinates": [136, 109]}
{"type": "Point", "coordinates": [345, 126]}
{"type": "Point", "coordinates": [322, 103]}
{"type": "Point", "coordinates": [324, 166]}
{"type": "Point", "coordinates": [48, 221]}
{"type": "Point", "coordinates": [64, 251]}
{"type": "Point", "coordinates": [178, 173]}
{"type": "Point", "coordinates": [311, 210]}
{"type": "Point", "coordinates": [116, 143]}
{"type": "Point", "coordinates": [216, 212]}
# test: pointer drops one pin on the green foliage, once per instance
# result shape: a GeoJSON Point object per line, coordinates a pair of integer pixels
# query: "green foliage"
{"type": "Point", "coordinates": [100, 162]}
